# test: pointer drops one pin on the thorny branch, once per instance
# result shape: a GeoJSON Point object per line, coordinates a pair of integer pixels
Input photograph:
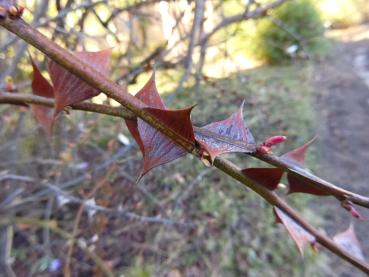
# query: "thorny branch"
{"type": "Point", "coordinates": [92, 77]}
{"type": "Point", "coordinates": [316, 182]}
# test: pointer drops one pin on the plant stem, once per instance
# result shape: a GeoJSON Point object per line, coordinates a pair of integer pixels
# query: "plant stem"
{"type": "Point", "coordinates": [313, 180]}
{"type": "Point", "coordinates": [24, 98]}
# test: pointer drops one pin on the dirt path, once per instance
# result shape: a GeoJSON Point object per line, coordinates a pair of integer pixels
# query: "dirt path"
{"type": "Point", "coordinates": [342, 84]}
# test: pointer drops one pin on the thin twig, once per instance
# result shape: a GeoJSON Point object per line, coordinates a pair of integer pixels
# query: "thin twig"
{"type": "Point", "coordinates": [21, 98]}
{"type": "Point", "coordinates": [98, 185]}
{"type": "Point", "coordinates": [196, 26]}
{"type": "Point", "coordinates": [65, 235]}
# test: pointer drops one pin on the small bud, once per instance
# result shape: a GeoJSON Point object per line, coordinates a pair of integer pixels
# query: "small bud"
{"type": "Point", "coordinates": [206, 162]}
{"type": "Point", "coordinates": [349, 206]}
{"type": "Point", "coordinates": [355, 213]}
{"type": "Point", "coordinates": [16, 11]}
{"type": "Point", "coordinates": [13, 11]}
{"type": "Point", "coordinates": [264, 149]}
{"type": "Point", "coordinates": [20, 10]}
{"type": "Point", "coordinates": [205, 157]}
{"type": "Point", "coordinates": [274, 140]}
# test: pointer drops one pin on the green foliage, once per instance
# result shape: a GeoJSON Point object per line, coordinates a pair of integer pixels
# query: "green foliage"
{"type": "Point", "coordinates": [295, 23]}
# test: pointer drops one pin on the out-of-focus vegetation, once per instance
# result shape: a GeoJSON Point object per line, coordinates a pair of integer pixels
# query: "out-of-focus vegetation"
{"type": "Point", "coordinates": [293, 30]}
{"type": "Point", "coordinates": [342, 13]}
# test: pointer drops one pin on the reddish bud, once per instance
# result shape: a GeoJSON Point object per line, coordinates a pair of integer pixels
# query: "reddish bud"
{"type": "Point", "coordinates": [13, 11]}
{"type": "Point", "coordinates": [349, 206]}
{"type": "Point", "coordinates": [20, 10]}
{"type": "Point", "coordinates": [266, 146]}
{"type": "Point", "coordinates": [274, 140]}
{"type": "Point", "coordinates": [263, 149]}
{"type": "Point", "coordinates": [16, 11]}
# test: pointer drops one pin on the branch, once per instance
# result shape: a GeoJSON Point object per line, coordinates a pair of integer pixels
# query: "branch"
{"type": "Point", "coordinates": [313, 180]}
{"type": "Point", "coordinates": [257, 13]}
{"type": "Point", "coordinates": [23, 98]}
{"type": "Point", "coordinates": [93, 78]}
{"type": "Point", "coordinates": [196, 26]}
{"type": "Point", "coordinates": [65, 235]}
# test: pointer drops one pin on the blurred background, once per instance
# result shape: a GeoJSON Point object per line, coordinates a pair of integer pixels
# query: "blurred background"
{"type": "Point", "coordinates": [302, 67]}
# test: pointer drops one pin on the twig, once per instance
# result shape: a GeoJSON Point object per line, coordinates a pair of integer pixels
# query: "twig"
{"type": "Point", "coordinates": [259, 12]}
{"type": "Point", "coordinates": [21, 98]}
{"type": "Point", "coordinates": [314, 181]}
{"type": "Point", "coordinates": [184, 194]}
{"type": "Point", "coordinates": [65, 235]}
{"type": "Point", "coordinates": [71, 183]}
{"type": "Point", "coordinates": [10, 198]}
{"type": "Point", "coordinates": [98, 185]}
{"type": "Point", "coordinates": [17, 178]}
{"type": "Point", "coordinates": [196, 26]}
{"type": "Point", "coordinates": [6, 240]}
{"type": "Point", "coordinates": [45, 21]}
{"type": "Point", "coordinates": [22, 47]}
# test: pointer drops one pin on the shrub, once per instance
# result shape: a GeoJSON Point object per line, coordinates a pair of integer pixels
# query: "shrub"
{"type": "Point", "coordinates": [293, 30]}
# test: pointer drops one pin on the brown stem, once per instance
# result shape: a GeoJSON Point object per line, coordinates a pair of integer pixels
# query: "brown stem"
{"type": "Point", "coordinates": [88, 74]}
{"type": "Point", "coordinates": [23, 98]}
{"type": "Point", "coordinates": [313, 181]}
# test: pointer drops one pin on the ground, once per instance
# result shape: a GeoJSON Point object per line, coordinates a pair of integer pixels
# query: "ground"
{"type": "Point", "coordinates": [342, 86]}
